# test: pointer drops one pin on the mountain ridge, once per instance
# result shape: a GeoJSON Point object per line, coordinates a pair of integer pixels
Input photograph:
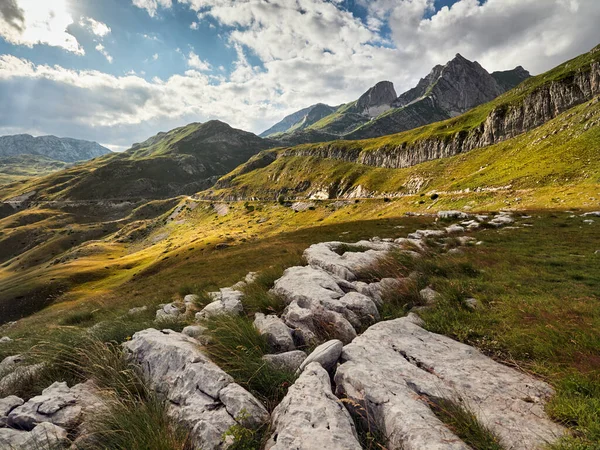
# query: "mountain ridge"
{"type": "Point", "coordinates": [60, 149]}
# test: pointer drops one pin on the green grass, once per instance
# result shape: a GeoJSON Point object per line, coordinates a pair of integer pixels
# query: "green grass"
{"type": "Point", "coordinates": [78, 318]}
{"type": "Point", "coordinates": [465, 425]}
{"type": "Point", "coordinates": [237, 347]}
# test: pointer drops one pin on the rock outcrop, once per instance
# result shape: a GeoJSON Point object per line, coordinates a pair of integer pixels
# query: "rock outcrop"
{"type": "Point", "coordinates": [200, 395]}
{"type": "Point", "coordinates": [311, 417]}
{"type": "Point", "coordinates": [396, 368]}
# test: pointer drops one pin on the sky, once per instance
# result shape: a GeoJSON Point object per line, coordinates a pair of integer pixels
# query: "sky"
{"type": "Point", "coordinates": [119, 71]}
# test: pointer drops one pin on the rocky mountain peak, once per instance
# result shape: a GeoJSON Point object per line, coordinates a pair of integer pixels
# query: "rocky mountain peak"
{"type": "Point", "coordinates": [378, 99]}
{"type": "Point", "coordinates": [58, 149]}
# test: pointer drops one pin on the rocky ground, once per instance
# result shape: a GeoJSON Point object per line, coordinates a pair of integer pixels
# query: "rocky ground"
{"type": "Point", "coordinates": [390, 377]}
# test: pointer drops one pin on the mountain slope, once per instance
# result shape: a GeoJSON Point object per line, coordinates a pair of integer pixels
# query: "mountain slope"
{"type": "Point", "coordinates": [334, 169]}
{"type": "Point", "coordinates": [52, 147]}
{"type": "Point", "coordinates": [446, 92]}
{"type": "Point", "coordinates": [19, 167]}
{"type": "Point", "coordinates": [299, 120]}
{"type": "Point", "coordinates": [182, 161]}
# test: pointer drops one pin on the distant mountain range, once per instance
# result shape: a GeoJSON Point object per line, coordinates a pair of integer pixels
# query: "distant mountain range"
{"type": "Point", "coordinates": [447, 91]}
{"type": "Point", "coordinates": [182, 161]}
{"type": "Point", "coordinates": [24, 156]}
{"type": "Point", "coordinates": [59, 149]}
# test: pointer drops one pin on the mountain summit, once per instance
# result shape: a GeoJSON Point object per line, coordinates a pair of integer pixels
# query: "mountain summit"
{"type": "Point", "coordinates": [447, 91]}
{"type": "Point", "coordinates": [52, 147]}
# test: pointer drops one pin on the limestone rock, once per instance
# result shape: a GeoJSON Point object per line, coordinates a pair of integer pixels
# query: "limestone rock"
{"type": "Point", "coordinates": [288, 361]}
{"type": "Point", "coordinates": [137, 310]}
{"type": "Point", "coordinates": [424, 234]}
{"type": "Point", "coordinates": [455, 229]}
{"type": "Point", "coordinates": [197, 332]}
{"type": "Point", "coordinates": [7, 404]}
{"type": "Point", "coordinates": [200, 395]}
{"type": "Point", "coordinates": [310, 417]}
{"type": "Point", "coordinates": [57, 405]}
{"type": "Point", "coordinates": [395, 366]}
{"type": "Point", "coordinates": [327, 355]}
{"type": "Point", "coordinates": [429, 296]}
{"type": "Point", "coordinates": [169, 312]}
{"type": "Point", "coordinates": [324, 256]}
{"type": "Point", "coordinates": [452, 215]}
{"type": "Point", "coordinates": [5, 340]}
{"type": "Point", "coordinates": [278, 334]}
{"type": "Point", "coordinates": [44, 436]}
{"type": "Point", "coordinates": [227, 302]}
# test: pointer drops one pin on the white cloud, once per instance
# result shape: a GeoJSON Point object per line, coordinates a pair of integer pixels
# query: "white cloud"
{"type": "Point", "coordinates": [152, 5]}
{"type": "Point", "coordinates": [195, 62]}
{"type": "Point", "coordinates": [31, 22]}
{"type": "Point", "coordinates": [100, 48]}
{"type": "Point", "coordinates": [194, 25]}
{"type": "Point", "coordinates": [155, 57]}
{"type": "Point", "coordinates": [95, 27]}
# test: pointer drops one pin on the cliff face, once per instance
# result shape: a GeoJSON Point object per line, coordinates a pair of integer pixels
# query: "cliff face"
{"type": "Point", "coordinates": [504, 122]}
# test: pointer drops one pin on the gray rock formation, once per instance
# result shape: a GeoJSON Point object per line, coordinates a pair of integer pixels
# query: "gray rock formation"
{"type": "Point", "coordinates": [299, 120]}
{"type": "Point", "coordinates": [288, 361]}
{"type": "Point", "coordinates": [326, 354]}
{"type": "Point", "coordinates": [396, 368]}
{"type": "Point", "coordinates": [59, 149]}
{"type": "Point", "coordinates": [278, 334]}
{"type": "Point", "coordinates": [227, 302]}
{"type": "Point", "coordinates": [44, 436]}
{"type": "Point", "coordinates": [310, 417]}
{"type": "Point", "coordinates": [201, 396]}
{"type": "Point", "coordinates": [377, 100]}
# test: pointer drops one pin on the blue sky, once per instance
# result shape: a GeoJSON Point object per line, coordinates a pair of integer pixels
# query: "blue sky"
{"type": "Point", "coordinates": [118, 71]}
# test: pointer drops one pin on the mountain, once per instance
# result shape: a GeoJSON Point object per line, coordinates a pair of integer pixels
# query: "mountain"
{"type": "Point", "coordinates": [490, 146]}
{"type": "Point", "coordinates": [181, 161]}
{"type": "Point", "coordinates": [299, 120]}
{"type": "Point", "coordinates": [447, 91]}
{"type": "Point", "coordinates": [58, 149]}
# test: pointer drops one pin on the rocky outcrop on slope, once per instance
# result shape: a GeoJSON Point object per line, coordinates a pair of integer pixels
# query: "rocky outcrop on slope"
{"type": "Point", "coordinates": [396, 369]}
{"type": "Point", "coordinates": [200, 395]}
{"type": "Point", "coordinates": [377, 100]}
{"type": "Point", "coordinates": [503, 122]}
{"type": "Point", "coordinates": [311, 417]}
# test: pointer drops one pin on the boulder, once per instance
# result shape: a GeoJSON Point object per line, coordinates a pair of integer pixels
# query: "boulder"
{"type": "Point", "coordinates": [288, 361]}
{"type": "Point", "coordinates": [201, 396]}
{"type": "Point", "coordinates": [327, 355]}
{"type": "Point", "coordinates": [191, 301]}
{"type": "Point", "coordinates": [591, 214]}
{"type": "Point", "coordinates": [137, 310]}
{"type": "Point", "coordinates": [310, 417]}
{"type": "Point", "coordinates": [197, 332]}
{"type": "Point", "coordinates": [170, 312]}
{"type": "Point", "coordinates": [44, 436]}
{"type": "Point", "coordinates": [7, 404]}
{"type": "Point", "coordinates": [429, 296]}
{"type": "Point", "coordinates": [5, 340]}
{"type": "Point", "coordinates": [314, 306]}
{"type": "Point", "coordinates": [278, 334]}
{"type": "Point", "coordinates": [455, 229]}
{"type": "Point", "coordinates": [324, 256]}
{"type": "Point", "coordinates": [425, 234]}
{"type": "Point", "coordinates": [501, 220]}
{"type": "Point", "coordinates": [227, 302]}
{"type": "Point", "coordinates": [57, 405]}
{"type": "Point", "coordinates": [9, 364]}
{"type": "Point", "coordinates": [452, 215]}
{"type": "Point", "coordinates": [396, 368]}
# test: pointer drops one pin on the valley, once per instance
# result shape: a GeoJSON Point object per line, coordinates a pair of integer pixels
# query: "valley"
{"type": "Point", "coordinates": [443, 239]}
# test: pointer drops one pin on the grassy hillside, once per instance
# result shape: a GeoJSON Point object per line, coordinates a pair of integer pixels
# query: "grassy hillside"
{"type": "Point", "coordinates": [181, 161]}
{"type": "Point", "coordinates": [21, 167]}
{"type": "Point", "coordinates": [562, 155]}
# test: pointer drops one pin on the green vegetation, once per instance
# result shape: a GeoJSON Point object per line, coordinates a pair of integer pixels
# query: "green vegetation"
{"type": "Point", "coordinates": [237, 347]}
{"type": "Point", "coordinates": [555, 165]}
{"type": "Point", "coordinates": [21, 167]}
{"type": "Point", "coordinates": [464, 424]}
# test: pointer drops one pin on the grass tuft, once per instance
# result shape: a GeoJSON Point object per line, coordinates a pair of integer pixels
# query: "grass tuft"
{"type": "Point", "coordinates": [237, 348]}
{"type": "Point", "coordinates": [464, 424]}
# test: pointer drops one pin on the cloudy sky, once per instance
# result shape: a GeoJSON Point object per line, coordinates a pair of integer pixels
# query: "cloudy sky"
{"type": "Point", "coordinates": [119, 71]}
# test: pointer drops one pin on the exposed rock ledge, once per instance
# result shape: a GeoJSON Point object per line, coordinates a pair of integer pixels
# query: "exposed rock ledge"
{"type": "Point", "coordinates": [396, 367]}
{"type": "Point", "coordinates": [201, 396]}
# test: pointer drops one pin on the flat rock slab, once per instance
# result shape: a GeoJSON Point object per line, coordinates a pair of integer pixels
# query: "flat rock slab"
{"type": "Point", "coordinates": [202, 397]}
{"type": "Point", "coordinates": [325, 256]}
{"type": "Point", "coordinates": [396, 366]}
{"type": "Point", "coordinates": [44, 436]}
{"type": "Point", "coordinates": [310, 417]}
